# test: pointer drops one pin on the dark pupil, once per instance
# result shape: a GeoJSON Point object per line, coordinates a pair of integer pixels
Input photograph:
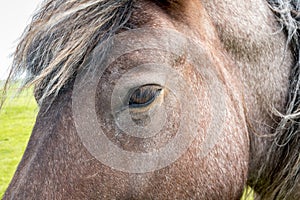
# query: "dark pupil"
{"type": "Point", "coordinates": [143, 96]}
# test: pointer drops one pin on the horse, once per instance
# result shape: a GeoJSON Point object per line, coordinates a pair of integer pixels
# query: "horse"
{"type": "Point", "coordinates": [161, 99]}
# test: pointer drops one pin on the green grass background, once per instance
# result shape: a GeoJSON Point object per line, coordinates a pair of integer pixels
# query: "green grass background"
{"type": "Point", "coordinates": [17, 118]}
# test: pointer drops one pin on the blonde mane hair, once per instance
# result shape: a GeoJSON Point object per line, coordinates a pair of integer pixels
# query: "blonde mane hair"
{"type": "Point", "coordinates": [59, 39]}
{"type": "Point", "coordinates": [281, 170]}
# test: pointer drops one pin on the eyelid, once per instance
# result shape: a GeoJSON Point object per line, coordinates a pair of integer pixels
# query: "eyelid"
{"type": "Point", "coordinates": [148, 102]}
{"type": "Point", "coordinates": [149, 94]}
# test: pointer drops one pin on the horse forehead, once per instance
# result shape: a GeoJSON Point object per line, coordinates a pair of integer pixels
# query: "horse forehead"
{"type": "Point", "coordinates": [240, 14]}
{"type": "Point", "coordinates": [245, 26]}
{"type": "Point", "coordinates": [189, 18]}
{"type": "Point", "coordinates": [239, 25]}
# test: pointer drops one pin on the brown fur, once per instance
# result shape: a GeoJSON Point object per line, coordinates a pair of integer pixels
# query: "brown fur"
{"type": "Point", "coordinates": [243, 41]}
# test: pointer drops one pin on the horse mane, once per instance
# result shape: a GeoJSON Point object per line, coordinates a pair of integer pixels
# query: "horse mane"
{"type": "Point", "coordinates": [281, 171]}
{"type": "Point", "coordinates": [64, 32]}
{"type": "Point", "coordinates": [59, 39]}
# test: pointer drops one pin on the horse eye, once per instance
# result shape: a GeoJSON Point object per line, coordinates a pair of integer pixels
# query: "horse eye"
{"type": "Point", "coordinates": [144, 96]}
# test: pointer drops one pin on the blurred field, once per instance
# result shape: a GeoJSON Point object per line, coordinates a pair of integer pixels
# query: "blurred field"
{"type": "Point", "coordinates": [17, 118]}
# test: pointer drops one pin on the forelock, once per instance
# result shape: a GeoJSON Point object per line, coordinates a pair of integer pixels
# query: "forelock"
{"type": "Point", "coordinates": [61, 36]}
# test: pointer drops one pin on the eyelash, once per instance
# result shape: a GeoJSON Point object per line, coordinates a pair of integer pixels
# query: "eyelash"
{"type": "Point", "coordinates": [143, 96]}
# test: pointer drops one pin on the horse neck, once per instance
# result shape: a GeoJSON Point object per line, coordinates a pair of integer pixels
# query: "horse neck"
{"type": "Point", "coordinates": [257, 48]}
